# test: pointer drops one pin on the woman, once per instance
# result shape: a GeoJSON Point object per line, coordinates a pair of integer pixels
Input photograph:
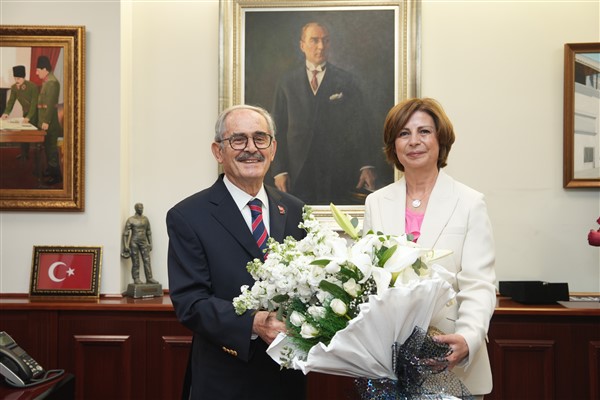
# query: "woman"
{"type": "Point", "coordinates": [441, 213]}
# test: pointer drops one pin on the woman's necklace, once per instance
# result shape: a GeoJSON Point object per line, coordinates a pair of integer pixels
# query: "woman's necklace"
{"type": "Point", "coordinates": [416, 203]}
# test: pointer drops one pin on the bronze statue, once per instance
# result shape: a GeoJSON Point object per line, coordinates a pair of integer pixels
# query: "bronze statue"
{"type": "Point", "coordinates": [137, 240]}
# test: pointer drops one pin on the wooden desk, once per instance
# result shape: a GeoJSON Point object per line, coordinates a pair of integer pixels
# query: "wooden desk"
{"type": "Point", "coordinates": [26, 136]}
{"type": "Point", "coordinates": [22, 136]}
{"type": "Point", "coordinates": [536, 351]}
{"type": "Point", "coordinates": [544, 351]}
{"type": "Point", "coordinates": [117, 347]}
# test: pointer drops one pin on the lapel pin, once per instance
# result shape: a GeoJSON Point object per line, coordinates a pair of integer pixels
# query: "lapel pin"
{"type": "Point", "coordinates": [281, 210]}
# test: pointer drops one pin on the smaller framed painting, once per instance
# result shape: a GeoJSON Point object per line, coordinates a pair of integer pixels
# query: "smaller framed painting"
{"type": "Point", "coordinates": [66, 271]}
{"type": "Point", "coordinates": [581, 159]}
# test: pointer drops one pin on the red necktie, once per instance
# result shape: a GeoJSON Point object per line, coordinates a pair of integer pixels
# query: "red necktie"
{"type": "Point", "coordinates": [258, 226]}
{"type": "Point", "coordinates": [314, 83]}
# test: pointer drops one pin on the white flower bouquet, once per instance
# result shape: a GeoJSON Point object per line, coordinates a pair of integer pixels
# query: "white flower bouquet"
{"type": "Point", "coordinates": [345, 301]}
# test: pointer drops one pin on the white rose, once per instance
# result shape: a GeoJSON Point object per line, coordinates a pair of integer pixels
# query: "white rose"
{"type": "Point", "coordinates": [317, 312]}
{"type": "Point", "coordinates": [351, 287]}
{"type": "Point", "coordinates": [333, 267]}
{"type": "Point", "coordinates": [338, 307]}
{"type": "Point", "coordinates": [308, 331]}
{"type": "Point", "coordinates": [296, 318]}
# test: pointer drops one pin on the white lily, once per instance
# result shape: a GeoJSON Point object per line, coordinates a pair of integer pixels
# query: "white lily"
{"type": "Point", "coordinates": [344, 222]}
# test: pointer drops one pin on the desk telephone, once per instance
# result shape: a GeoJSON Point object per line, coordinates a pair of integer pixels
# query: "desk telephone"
{"type": "Point", "coordinates": [19, 368]}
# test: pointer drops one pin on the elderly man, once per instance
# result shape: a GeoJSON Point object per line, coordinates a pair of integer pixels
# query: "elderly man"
{"type": "Point", "coordinates": [213, 234]}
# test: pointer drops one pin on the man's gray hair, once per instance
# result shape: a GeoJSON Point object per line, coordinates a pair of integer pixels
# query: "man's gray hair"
{"type": "Point", "coordinates": [220, 124]}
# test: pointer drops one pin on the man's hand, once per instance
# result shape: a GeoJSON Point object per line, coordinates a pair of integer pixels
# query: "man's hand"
{"type": "Point", "coordinates": [457, 344]}
{"type": "Point", "coordinates": [367, 179]}
{"type": "Point", "coordinates": [45, 126]}
{"type": "Point", "coordinates": [4, 116]}
{"type": "Point", "coordinates": [282, 182]}
{"type": "Point", "coordinates": [267, 326]}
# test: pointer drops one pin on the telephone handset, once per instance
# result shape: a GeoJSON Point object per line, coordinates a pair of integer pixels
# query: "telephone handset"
{"type": "Point", "coordinates": [18, 367]}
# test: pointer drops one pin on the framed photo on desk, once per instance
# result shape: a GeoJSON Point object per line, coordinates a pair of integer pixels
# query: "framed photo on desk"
{"type": "Point", "coordinates": [66, 271]}
{"type": "Point", "coordinates": [42, 136]}
{"type": "Point", "coordinates": [372, 54]}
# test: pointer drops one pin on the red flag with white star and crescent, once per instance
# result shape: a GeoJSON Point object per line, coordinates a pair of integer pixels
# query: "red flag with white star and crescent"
{"type": "Point", "coordinates": [65, 271]}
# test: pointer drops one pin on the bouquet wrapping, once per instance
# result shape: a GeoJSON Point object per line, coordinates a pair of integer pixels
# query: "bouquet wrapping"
{"type": "Point", "coordinates": [364, 347]}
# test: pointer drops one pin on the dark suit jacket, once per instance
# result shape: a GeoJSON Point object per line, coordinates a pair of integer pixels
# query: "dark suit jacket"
{"type": "Point", "coordinates": [328, 135]}
{"type": "Point", "coordinates": [209, 247]}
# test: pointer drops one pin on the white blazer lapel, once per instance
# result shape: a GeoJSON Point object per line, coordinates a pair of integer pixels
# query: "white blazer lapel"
{"type": "Point", "coordinates": [392, 209]}
{"type": "Point", "coordinates": [441, 205]}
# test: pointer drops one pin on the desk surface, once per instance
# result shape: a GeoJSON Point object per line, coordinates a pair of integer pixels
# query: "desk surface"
{"type": "Point", "coordinates": [504, 305]}
{"type": "Point", "coordinates": [62, 388]}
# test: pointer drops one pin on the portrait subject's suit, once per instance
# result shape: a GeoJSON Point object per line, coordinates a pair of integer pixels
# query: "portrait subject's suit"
{"type": "Point", "coordinates": [209, 247]}
{"type": "Point", "coordinates": [322, 140]}
{"type": "Point", "coordinates": [456, 219]}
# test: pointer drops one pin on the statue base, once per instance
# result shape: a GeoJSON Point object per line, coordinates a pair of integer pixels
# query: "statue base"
{"type": "Point", "coordinates": [143, 290]}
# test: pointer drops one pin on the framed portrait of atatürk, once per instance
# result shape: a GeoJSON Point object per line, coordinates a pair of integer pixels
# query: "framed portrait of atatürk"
{"type": "Point", "coordinates": [42, 86]}
{"type": "Point", "coordinates": [328, 72]}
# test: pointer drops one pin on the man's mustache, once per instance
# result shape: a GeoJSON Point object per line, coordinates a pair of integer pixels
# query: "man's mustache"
{"type": "Point", "coordinates": [247, 155]}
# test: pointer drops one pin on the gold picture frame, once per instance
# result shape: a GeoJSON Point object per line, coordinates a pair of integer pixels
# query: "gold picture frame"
{"type": "Point", "coordinates": [581, 151]}
{"type": "Point", "coordinates": [241, 19]}
{"type": "Point", "coordinates": [23, 45]}
{"type": "Point", "coordinates": [66, 271]}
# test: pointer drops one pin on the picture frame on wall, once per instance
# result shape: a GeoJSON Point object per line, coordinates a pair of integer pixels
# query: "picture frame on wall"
{"type": "Point", "coordinates": [42, 131]}
{"type": "Point", "coordinates": [581, 160]}
{"type": "Point", "coordinates": [66, 271]}
{"type": "Point", "coordinates": [372, 55]}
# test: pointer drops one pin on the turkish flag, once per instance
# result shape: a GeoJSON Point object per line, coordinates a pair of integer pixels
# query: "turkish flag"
{"type": "Point", "coordinates": [65, 271]}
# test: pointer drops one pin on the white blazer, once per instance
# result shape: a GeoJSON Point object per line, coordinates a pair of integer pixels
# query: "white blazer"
{"type": "Point", "coordinates": [456, 219]}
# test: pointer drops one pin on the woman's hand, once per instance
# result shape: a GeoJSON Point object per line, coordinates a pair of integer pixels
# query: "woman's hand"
{"type": "Point", "coordinates": [457, 344]}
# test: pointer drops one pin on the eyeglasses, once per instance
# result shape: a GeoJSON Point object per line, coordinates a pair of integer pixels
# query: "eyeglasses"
{"type": "Point", "coordinates": [238, 141]}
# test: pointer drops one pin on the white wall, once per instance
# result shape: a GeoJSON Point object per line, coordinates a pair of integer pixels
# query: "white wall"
{"type": "Point", "coordinates": [495, 66]}
{"type": "Point", "coordinates": [100, 224]}
{"type": "Point", "coordinates": [498, 69]}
